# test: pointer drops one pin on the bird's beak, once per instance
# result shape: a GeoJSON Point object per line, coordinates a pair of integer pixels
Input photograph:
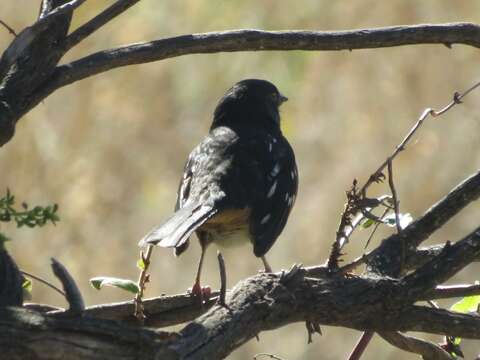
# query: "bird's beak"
{"type": "Point", "coordinates": [283, 98]}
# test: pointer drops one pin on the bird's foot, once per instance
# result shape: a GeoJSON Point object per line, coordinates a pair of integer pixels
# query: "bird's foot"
{"type": "Point", "coordinates": [201, 292]}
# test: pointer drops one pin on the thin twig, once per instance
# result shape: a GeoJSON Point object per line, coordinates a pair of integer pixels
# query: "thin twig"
{"type": "Point", "coordinates": [97, 22]}
{"type": "Point", "coordinates": [427, 349]}
{"type": "Point", "coordinates": [142, 280]}
{"type": "Point", "coordinates": [377, 224]}
{"type": "Point", "coordinates": [354, 264]}
{"type": "Point", "coordinates": [396, 205]}
{"type": "Point", "coordinates": [457, 97]}
{"type": "Point", "coordinates": [223, 279]}
{"type": "Point", "coordinates": [271, 356]}
{"type": "Point", "coordinates": [44, 282]}
{"type": "Point", "coordinates": [361, 345]}
{"type": "Point", "coordinates": [10, 30]}
{"type": "Point", "coordinates": [72, 292]}
{"type": "Point", "coordinates": [342, 236]}
{"type": "Point", "coordinates": [453, 291]}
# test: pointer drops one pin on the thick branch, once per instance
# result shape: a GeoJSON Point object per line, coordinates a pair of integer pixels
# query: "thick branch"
{"type": "Point", "coordinates": [263, 302]}
{"type": "Point", "coordinates": [449, 262]}
{"type": "Point", "coordinates": [386, 258]}
{"type": "Point", "coordinates": [227, 41]}
{"type": "Point", "coordinates": [258, 40]}
{"type": "Point", "coordinates": [160, 312]}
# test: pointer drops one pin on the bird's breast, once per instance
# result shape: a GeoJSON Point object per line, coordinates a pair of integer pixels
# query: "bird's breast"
{"type": "Point", "coordinates": [228, 228]}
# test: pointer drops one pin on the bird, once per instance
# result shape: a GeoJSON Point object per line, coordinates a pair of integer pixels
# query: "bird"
{"type": "Point", "coordinates": [239, 183]}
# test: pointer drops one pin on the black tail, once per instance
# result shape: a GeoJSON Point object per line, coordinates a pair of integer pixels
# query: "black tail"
{"type": "Point", "coordinates": [176, 230]}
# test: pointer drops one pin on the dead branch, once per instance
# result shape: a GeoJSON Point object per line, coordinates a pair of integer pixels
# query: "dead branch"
{"type": "Point", "coordinates": [54, 21]}
{"type": "Point", "coordinates": [263, 302]}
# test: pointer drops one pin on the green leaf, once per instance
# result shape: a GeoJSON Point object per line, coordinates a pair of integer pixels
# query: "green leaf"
{"type": "Point", "coordinates": [367, 223]}
{"type": "Point", "coordinates": [140, 264]}
{"type": "Point", "coordinates": [125, 284]}
{"type": "Point", "coordinates": [27, 289]}
{"type": "Point", "coordinates": [467, 305]}
{"type": "Point", "coordinates": [27, 285]}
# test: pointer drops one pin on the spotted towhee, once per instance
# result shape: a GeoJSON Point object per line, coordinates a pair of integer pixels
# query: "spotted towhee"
{"type": "Point", "coordinates": [240, 182]}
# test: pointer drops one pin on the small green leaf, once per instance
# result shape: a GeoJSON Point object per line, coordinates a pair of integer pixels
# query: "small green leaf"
{"type": "Point", "coordinates": [27, 289]}
{"type": "Point", "coordinates": [125, 284]}
{"type": "Point", "coordinates": [27, 285]}
{"type": "Point", "coordinates": [367, 223]}
{"type": "Point", "coordinates": [467, 305]}
{"type": "Point", "coordinates": [140, 264]}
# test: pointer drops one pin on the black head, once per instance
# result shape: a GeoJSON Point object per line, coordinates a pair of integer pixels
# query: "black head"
{"type": "Point", "coordinates": [250, 103]}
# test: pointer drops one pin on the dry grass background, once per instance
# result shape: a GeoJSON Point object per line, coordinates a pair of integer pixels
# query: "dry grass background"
{"type": "Point", "coordinates": [110, 149]}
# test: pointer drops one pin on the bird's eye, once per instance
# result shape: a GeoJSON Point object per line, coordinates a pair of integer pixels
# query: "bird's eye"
{"type": "Point", "coordinates": [274, 97]}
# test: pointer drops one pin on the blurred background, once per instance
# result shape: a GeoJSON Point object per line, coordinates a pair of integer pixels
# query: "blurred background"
{"type": "Point", "coordinates": [110, 149]}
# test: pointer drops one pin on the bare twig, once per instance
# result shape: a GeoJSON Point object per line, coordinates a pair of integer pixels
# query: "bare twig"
{"type": "Point", "coordinates": [378, 174]}
{"type": "Point", "coordinates": [361, 345]}
{"type": "Point", "coordinates": [396, 205]}
{"type": "Point", "coordinates": [453, 291]}
{"type": "Point", "coordinates": [377, 224]}
{"type": "Point", "coordinates": [435, 272]}
{"type": "Point", "coordinates": [457, 97]}
{"type": "Point", "coordinates": [62, 9]}
{"type": "Point", "coordinates": [223, 279]}
{"type": "Point", "coordinates": [142, 280]}
{"type": "Point", "coordinates": [43, 281]}
{"type": "Point", "coordinates": [10, 30]}
{"type": "Point", "coordinates": [97, 22]}
{"type": "Point", "coordinates": [427, 349]}
{"type": "Point", "coordinates": [72, 292]}
{"type": "Point", "coordinates": [270, 356]}
{"type": "Point", "coordinates": [355, 263]}
{"type": "Point", "coordinates": [385, 258]}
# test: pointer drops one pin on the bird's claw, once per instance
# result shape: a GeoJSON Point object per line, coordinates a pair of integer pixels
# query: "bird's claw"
{"type": "Point", "coordinates": [201, 292]}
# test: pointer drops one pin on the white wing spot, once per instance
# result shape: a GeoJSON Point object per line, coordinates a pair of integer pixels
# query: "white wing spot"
{"type": "Point", "coordinates": [275, 170]}
{"type": "Point", "coordinates": [269, 147]}
{"type": "Point", "coordinates": [287, 195]}
{"type": "Point", "coordinates": [274, 140]}
{"type": "Point", "coordinates": [272, 190]}
{"type": "Point", "coordinates": [292, 174]}
{"type": "Point", "coordinates": [265, 219]}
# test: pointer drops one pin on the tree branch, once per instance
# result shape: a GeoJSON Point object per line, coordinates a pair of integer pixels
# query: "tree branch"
{"type": "Point", "coordinates": [386, 258]}
{"type": "Point", "coordinates": [262, 302]}
{"type": "Point", "coordinates": [449, 262]}
{"type": "Point", "coordinates": [97, 22]}
{"type": "Point", "coordinates": [227, 41]}
{"type": "Point", "coordinates": [453, 291]}
{"type": "Point", "coordinates": [258, 40]}
{"type": "Point", "coordinates": [427, 349]}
